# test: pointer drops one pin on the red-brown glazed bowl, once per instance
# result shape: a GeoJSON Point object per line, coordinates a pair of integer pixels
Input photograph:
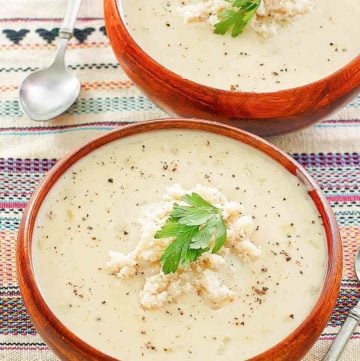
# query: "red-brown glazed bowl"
{"type": "Point", "coordinates": [260, 113]}
{"type": "Point", "coordinates": [69, 347]}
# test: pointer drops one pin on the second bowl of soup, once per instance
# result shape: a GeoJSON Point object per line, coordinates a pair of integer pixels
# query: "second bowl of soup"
{"type": "Point", "coordinates": [270, 79]}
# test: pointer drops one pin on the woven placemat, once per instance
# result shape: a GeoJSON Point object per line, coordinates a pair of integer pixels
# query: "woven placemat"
{"type": "Point", "coordinates": [28, 31]}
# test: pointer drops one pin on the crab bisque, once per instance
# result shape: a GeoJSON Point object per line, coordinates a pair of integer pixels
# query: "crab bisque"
{"type": "Point", "coordinates": [289, 43]}
{"type": "Point", "coordinates": [268, 275]}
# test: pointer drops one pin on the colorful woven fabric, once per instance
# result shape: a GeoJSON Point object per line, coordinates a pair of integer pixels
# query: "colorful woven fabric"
{"type": "Point", "coordinates": [28, 30]}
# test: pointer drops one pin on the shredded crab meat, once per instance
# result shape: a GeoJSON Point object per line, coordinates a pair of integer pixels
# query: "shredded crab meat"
{"type": "Point", "coordinates": [123, 265]}
{"type": "Point", "coordinates": [214, 289]}
{"type": "Point", "coordinates": [201, 276]}
{"type": "Point", "coordinates": [270, 15]}
{"type": "Point", "coordinates": [203, 11]}
{"type": "Point", "coordinates": [161, 289]}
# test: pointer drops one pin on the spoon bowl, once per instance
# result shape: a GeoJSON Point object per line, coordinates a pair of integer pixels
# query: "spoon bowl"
{"type": "Point", "coordinates": [48, 93]}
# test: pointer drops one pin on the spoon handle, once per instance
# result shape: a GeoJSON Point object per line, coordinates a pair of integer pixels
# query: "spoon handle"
{"type": "Point", "coordinates": [344, 335]}
{"type": "Point", "coordinates": [70, 17]}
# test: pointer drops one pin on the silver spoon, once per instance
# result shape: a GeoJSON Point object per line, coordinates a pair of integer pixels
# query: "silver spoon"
{"type": "Point", "coordinates": [47, 93]}
{"type": "Point", "coordinates": [349, 325]}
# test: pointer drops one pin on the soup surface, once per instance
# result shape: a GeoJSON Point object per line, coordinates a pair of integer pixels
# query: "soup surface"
{"type": "Point", "coordinates": [314, 46]}
{"type": "Point", "coordinates": [95, 207]}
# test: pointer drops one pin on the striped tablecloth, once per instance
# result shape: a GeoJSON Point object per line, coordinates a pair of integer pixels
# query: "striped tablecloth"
{"type": "Point", "coordinates": [28, 30]}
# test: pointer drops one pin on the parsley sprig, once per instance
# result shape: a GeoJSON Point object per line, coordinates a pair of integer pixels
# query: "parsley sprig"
{"type": "Point", "coordinates": [196, 228]}
{"type": "Point", "coordinates": [236, 17]}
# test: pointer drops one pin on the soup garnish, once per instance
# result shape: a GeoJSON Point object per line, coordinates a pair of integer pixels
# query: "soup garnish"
{"type": "Point", "coordinates": [182, 255]}
{"type": "Point", "coordinates": [232, 16]}
{"type": "Point", "coordinates": [193, 228]}
{"type": "Point", "coordinates": [236, 17]}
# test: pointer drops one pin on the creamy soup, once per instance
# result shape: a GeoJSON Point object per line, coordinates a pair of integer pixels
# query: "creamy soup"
{"type": "Point", "coordinates": [95, 207]}
{"type": "Point", "coordinates": [315, 45]}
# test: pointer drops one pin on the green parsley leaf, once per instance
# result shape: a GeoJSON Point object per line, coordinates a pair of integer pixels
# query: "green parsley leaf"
{"type": "Point", "coordinates": [196, 228]}
{"type": "Point", "coordinates": [193, 255]}
{"type": "Point", "coordinates": [214, 232]}
{"type": "Point", "coordinates": [193, 216]}
{"type": "Point", "coordinates": [195, 200]}
{"type": "Point", "coordinates": [170, 229]}
{"type": "Point", "coordinates": [176, 253]}
{"type": "Point", "coordinates": [236, 17]}
{"type": "Point", "coordinates": [219, 230]}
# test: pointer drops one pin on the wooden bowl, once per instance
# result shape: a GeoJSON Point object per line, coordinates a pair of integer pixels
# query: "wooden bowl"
{"type": "Point", "coordinates": [69, 347]}
{"type": "Point", "coordinates": [260, 113]}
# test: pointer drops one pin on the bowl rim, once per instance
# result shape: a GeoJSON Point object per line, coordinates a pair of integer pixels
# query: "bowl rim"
{"type": "Point", "coordinates": [69, 346]}
{"type": "Point", "coordinates": [303, 89]}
